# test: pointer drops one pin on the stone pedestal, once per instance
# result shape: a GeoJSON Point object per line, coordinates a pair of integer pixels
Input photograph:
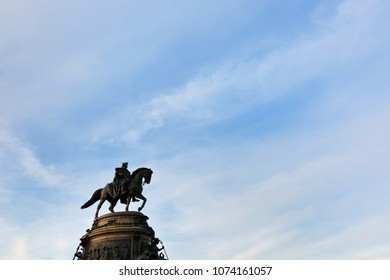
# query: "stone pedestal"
{"type": "Point", "coordinates": [117, 236]}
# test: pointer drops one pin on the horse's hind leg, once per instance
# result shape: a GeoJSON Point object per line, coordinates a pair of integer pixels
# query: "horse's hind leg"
{"type": "Point", "coordinates": [98, 207]}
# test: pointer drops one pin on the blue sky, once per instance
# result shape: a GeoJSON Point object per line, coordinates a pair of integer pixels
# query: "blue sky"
{"type": "Point", "coordinates": [266, 124]}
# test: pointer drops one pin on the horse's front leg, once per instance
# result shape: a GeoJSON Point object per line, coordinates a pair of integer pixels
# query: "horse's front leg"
{"type": "Point", "coordinates": [128, 200]}
{"type": "Point", "coordinates": [113, 203]}
{"type": "Point", "coordinates": [143, 202]}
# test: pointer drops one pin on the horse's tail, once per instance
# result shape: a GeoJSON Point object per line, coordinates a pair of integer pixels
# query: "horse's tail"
{"type": "Point", "coordinates": [95, 197]}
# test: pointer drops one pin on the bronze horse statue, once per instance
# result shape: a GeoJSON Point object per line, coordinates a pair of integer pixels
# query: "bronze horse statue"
{"type": "Point", "coordinates": [133, 190]}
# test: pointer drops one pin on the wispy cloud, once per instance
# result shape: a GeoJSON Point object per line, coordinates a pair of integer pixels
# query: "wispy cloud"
{"type": "Point", "coordinates": [338, 47]}
{"type": "Point", "coordinates": [18, 157]}
{"type": "Point", "coordinates": [283, 198]}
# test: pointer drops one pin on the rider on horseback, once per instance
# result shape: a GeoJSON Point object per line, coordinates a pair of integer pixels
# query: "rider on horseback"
{"type": "Point", "coordinates": [121, 179]}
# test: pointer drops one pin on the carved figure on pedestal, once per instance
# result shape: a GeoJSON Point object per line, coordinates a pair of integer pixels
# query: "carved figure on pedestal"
{"type": "Point", "coordinates": [152, 251]}
{"type": "Point", "coordinates": [126, 186]}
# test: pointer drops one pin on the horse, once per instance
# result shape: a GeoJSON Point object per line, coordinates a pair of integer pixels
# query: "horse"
{"type": "Point", "coordinates": [133, 190]}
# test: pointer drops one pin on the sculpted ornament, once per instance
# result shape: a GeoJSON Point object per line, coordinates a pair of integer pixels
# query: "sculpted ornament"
{"type": "Point", "coordinates": [151, 252]}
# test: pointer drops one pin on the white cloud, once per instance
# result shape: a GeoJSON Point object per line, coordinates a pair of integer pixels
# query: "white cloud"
{"type": "Point", "coordinates": [341, 50]}
{"type": "Point", "coordinates": [21, 160]}
{"type": "Point", "coordinates": [44, 237]}
{"type": "Point", "coordinates": [297, 196]}
{"type": "Point", "coordinates": [13, 242]}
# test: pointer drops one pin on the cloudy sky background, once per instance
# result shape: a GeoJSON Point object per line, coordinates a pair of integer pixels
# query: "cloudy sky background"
{"type": "Point", "coordinates": [266, 124]}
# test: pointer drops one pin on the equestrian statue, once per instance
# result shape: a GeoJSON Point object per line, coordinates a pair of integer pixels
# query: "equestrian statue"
{"type": "Point", "coordinates": [125, 187]}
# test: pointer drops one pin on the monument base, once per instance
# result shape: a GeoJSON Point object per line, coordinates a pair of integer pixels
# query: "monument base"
{"type": "Point", "coordinates": [118, 236]}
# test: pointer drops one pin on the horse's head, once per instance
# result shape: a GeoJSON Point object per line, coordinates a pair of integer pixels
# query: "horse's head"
{"type": "Point", "coordinates": [148, 175]}
{"type": "Point", "coordinates": [143, 173]}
